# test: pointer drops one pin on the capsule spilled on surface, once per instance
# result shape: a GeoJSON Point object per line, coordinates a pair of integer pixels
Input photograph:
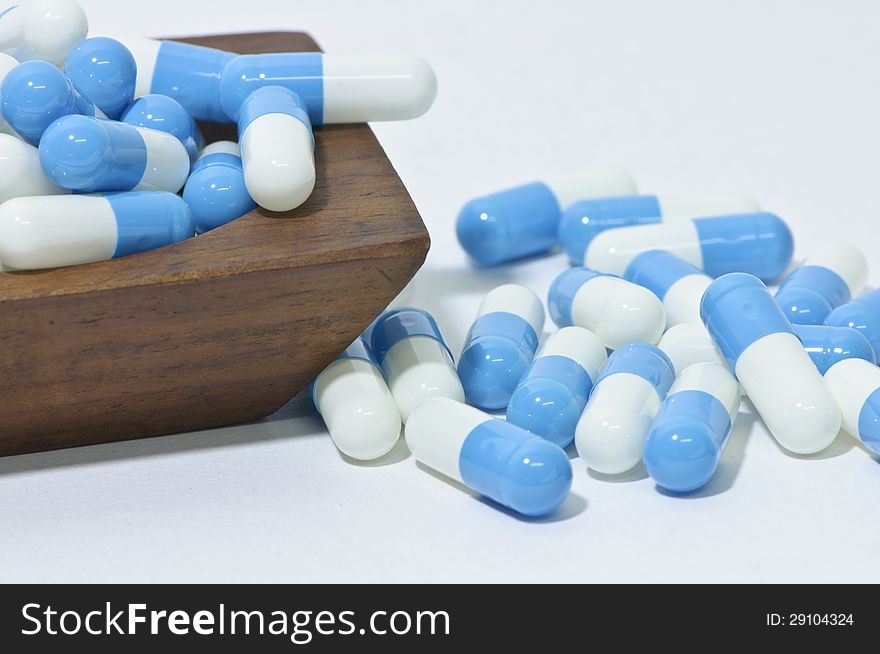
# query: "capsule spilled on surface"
{"type": "Point", "coordinates": [617, 311]}
{"type": "Point", "coordinates": [353, 399]}
{"type": "Point", "coordinates": [761, 348]}
{"type": "Point", "coordinates": [760, 244]}
{"type": "Point", "coordinates": [584, 220]}
{"type": "Point", "coordinates": [692, 427]}
{"type": "Point", "coordinates": [415, 359]}
{"type": "Point", "coordinates": [519, 470]}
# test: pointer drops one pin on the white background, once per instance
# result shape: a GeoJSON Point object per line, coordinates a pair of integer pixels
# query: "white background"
{"type": "Point", "coordinates": [778, 99]}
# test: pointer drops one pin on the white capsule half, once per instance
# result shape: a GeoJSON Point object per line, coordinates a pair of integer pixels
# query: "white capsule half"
{"type": "Point", "coordinates": [610, 436]}
{"type": "Point", "coordinates": [20, 171]}
{"type": "Point", "coordinates": [42, 29]}
{"type": "Point", "coordinates": [353, 399]}
{"type": "Point", "coordinates": [617, 311]}
{"type": "Point", "coordinates": [415, 359]}
{"type": "Point", "coordinates": [855, 384]}
{"type": "Point", "coordinates": [688, 343]}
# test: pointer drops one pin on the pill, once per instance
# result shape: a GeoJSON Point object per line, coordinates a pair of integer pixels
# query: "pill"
{"type": "Point", "coordinates": [758, 243]}
{"type": "Point", "coordinates": [855, 384]}
{"type": "Point", "coordinates": [215, 190]}
{"type": "Point", "coordinates": [692, 427]}
{"type": "Point", "coordinates": [354, 401]}
{"type": "Point", "coordinates": [524, 220]}
{"type": "Point", "coordinates": [679, 284]}
{"type": "Point", "coordinates": [831, 277]}
{"type": "Point", "coordinates": [42, 29]}
{"type": "Point", "coordinates": [7, 63]}
{"type": "Point", "coordinates": [35, 94]}
{"type": "Point", "coordinates": [610, 436]}
{"type": "Point", "coordinates": [277, 148]}
{"type": "Point", "coordinates": [188, 73]}
{"type": "Point", "coordinates": [104, 71]}
{"type": "Point", "coordinates": [336, 89]}
{"type": "Point", "coordinates": [766, 356]}
{"type": "Point", "coordinates": [64, 230]}
{"type": "Point", "coordinates": [89, 154]}
{"type": "Point", "coordinates": [498, 460]}
{"type": "Point", "coordinates": [500, 345]}
{"type": "Point", "coordinates": [551, 396]}
{"type": "Point", "coordinates": [862, 314]}
{"type": "Point", "coordinates": [617, 311]}
{"type": "Point", "coordinates": [165, 114]}
{"type": "Point", "coordinates": [688, 343]}
{"type": "Point", "coordinates": [829, 345]}
{"type": "Point", "coordinates": [415, 358]}
{"type": "Point", "coordinates": [20, 171]}
{"type": "Point", "coordinates": [584, 219]}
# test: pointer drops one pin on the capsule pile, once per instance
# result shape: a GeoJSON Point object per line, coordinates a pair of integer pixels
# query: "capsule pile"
{"type": "Point", "coordinates": [98, 136]}
{"type": "Point", "coordinates": [665, 323]}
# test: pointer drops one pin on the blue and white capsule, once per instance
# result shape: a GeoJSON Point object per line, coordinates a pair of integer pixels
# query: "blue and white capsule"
{"type": "Point", "coordinates": [335, 89]}
{"type": "Point", "coordinates": [760, 244]}
{"type": "Point", "coordinates": [66, 230]}
{"type": "Point", "coordinates": [277, 148]}
{"type": "Point", "coordinates": [855, 384]}
{"type": "Point", "coordinates": [165, 114]}
{"type": "Point", "coordinates": [415, 358]}
{"type": "Point", "coordinates": [353, 399]}
{"type": "Point", "coordinates": [610, 436]}
{"type": "Point", "coordinates": [830, 345]}
{"type": "Point", "coordinates": [97, 155]}
{"type": "Point", "coordinates": [551, 396]}
{"type": "Point", "coordinates": [35, 94]}
{"type": "Point", "coordinates": [679, 284]}
{"type": "Point", "coordinates": [524, 221]}
{"type": "Point", "coordinates": [692, 427]}
{"type": "Point", "coordinates": [862, 314]}
{"type": "Point", "coordinates": [760, 346]}
{"type": "Point", "coordinates": [498, 460]}
{"type": "Point", "coordinates": [500, 345]}
{"type": "Point", "coordinates": [188, 73]}
{"type": "Point", "coordinates": [104, 71]}
{"type": "Point", "coordinates": [831, 277]}
{"type": "Point", "coordinates": [617, 311]}
{"type": "Point", "coordinates": [42, 29]}
{"type": "Point", "coordinates": [215, 190]}
{"type": "Point", "coordinates": [583, 220]}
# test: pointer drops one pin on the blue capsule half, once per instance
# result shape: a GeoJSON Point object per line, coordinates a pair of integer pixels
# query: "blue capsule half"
{"type": "Point", "coordinates": [165, 114]}
{"type": "Point", "coordinates": [828, 345]}
{"type": "Point", "coordinates": [104, 71]}
{"type": "Point", "coordinates": [35, 94]}
{"type": "Point", "coordinates": [862, 314]}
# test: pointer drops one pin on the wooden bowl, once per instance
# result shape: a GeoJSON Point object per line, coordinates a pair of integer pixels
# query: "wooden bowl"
{"type": "Point", "coordinates": [219, 329]}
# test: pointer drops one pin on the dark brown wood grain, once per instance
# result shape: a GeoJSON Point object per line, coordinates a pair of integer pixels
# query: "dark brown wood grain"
{"type": "Point", "coordinates": [219, 329]}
